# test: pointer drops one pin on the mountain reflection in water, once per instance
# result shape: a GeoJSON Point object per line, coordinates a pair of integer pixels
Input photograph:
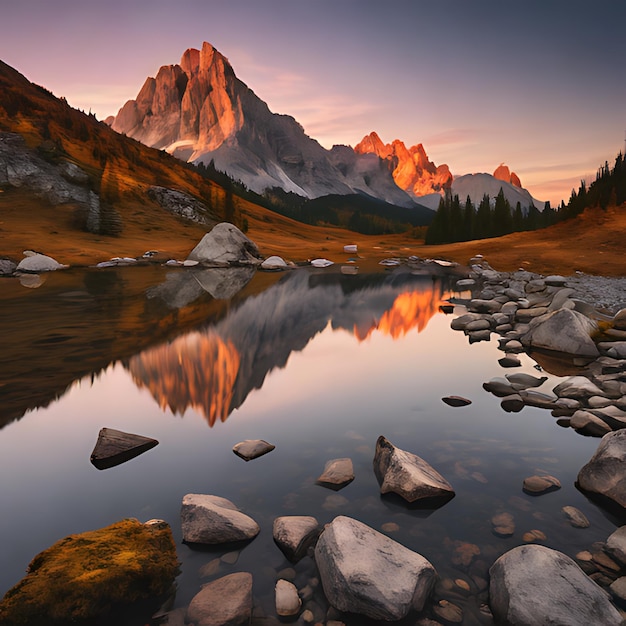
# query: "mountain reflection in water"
{"type": "Point", "coordinates": [213, 370]}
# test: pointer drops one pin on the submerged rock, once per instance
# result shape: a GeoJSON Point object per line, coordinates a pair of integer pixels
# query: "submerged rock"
{"type": "Point", "coordinates": [533, 585]}
{"type": "Point", "coordinates": [82, 578]}
{"type": "Point", "coordinates": [408, 475]}
{"type": "Point", "coordinates": [213, 520]}
{"type": "Point", "coordinates": [226, 601]}
{"type": "Point", "coordinates": [537, 485]}
{"type": "Point", "coordinates": [115, 447]}
{"type": "Point", "coordinates": [365, 572]}
{"type": "Point", "coordinates": [337, 474]}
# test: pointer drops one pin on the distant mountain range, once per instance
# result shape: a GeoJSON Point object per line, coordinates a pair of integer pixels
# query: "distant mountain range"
{"type": "Point", "coordinates": [199, 111]}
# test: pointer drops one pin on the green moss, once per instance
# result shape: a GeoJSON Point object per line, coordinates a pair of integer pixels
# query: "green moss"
{"type": "Point", "coordinates": [84, 577]}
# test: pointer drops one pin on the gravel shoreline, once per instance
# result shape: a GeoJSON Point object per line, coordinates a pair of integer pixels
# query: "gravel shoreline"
{"type": "Point", "coordinates": [600, 291]}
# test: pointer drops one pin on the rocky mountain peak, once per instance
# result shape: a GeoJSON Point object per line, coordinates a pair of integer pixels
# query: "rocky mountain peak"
{"type": "Point", "coordinates": [503, 173]}
{"type": "Point", "coordinates": [200, 111]}
{"type": "Point", "coordinates": [411, 168]}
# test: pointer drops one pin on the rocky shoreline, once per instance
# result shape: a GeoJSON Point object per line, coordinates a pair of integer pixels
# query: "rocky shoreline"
{"type": "Point", "coordinates": [572, 326]}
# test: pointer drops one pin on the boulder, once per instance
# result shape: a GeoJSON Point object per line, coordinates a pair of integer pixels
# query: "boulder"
{"type": "Point", "coordinates": [616, 544]}
{"type": "Point", "coordinates": [294, 534]}
{"type": "Point", "coordinates": [35, 262]}
{"type": "Point", "coordinates": [577, 387]}
{"type": "Point", "coordinates": [287, 600]}
{"type": "Point", "coordinates": [252, 448]}
{"type": "Point", "coordinates": [587, 423]}
{"type": "Point", "coordinates": [563, 331]}
{"type": "Point", "coordinates": [114, 447]}
{"type": "Point", "coordinates": [213, 520]}
{"type": "Point", "coordinates": [80, 578]}
{"type": "Point", "coordinates": [365, 572]}
{"type": "Point", "coordinates": [337, 474]}
{"type": "Point", "coordinates": [408, 475]}
{"type": "Point", "coordinates": [532, 585]}
{"type": "Point", "coordinates": [225, 244]}
{"type": "Point", "coordinates": [605, 473]}
{"type": "Point", "coordinates": [226, 601]}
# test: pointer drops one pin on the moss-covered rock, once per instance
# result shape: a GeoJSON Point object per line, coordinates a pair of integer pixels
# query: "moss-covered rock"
{"type": "Point", "coordinates": [84, 577]}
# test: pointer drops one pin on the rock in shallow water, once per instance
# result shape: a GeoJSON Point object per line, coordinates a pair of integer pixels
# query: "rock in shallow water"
{"type": "Point", "coordinates": [252, 448]}
{"type": "Point", "coordinates": [407, 474]}
{"type": "Point", "coordinates": [226, 601]}
{"type": "Point", "coordinates": [536, 586]}
{"type": "Point", "coordinates": [456, 401]}
{"type": "Point", "coordinates": [114, 447]}
{"type": "Point", "coordinates": [293, 534]}
{"type": "Point", "coordinates": [213, 520]}
{"type": "Point", "coordinates": [365, 572]}
{"type": "Point", "coordinates": [288, 602]}
{"type": "Point", "coordinates": [79, 579]}
{"type": "Point", "coordinates": [337, 474]}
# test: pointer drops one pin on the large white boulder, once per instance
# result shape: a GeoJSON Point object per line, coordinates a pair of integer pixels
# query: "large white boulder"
{"type": "Point", "coordinates": [35, 262]}
{"type": "Point", "coordinates": [407, 474]}
{"type": "Point", "coordinates": [533, 585]}
{"type": "Point", "coordinates": [365, 572]}
{"type": "Point", "coordinates": [213, 520]}
{"type": "Point", "coordinates": [226, 245]}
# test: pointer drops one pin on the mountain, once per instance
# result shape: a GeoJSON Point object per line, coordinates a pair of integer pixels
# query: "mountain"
{"type": "Point", "coordinates": [410, 167]}
{"type": "Point", "coordinates": [503, 173]}
{"type": "Point", "coordinates": [477, 185]}
{"type": "Point", "coordinates": [199, 111]}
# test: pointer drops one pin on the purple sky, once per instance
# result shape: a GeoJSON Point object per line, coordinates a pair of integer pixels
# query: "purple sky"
{"type": "Point", "coordinates": [539, 85]}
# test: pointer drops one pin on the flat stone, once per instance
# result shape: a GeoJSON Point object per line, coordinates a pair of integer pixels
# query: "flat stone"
{"type": "Point", "coordinates": [537, 399]}
{"type": "Point", "coordinates": [589, 424]}
{"type": "Point", "coordinates": [576, 517]}
{"type": "Point", "coordinates": [503, 524]}
{"type": "Point", "coordinates": [365, 572]}
{"type": "Point", "coordinates": [114, 447]}
{"type": "Point", "coordinates": [213, 520]}
{"type": "Point", "coordinates": [481, 324]}
{"type": "Point", "coordinates": [509, 361]}
{"type": "Point", "coordinates": [226, 601]}
{"type": "Point", "coordinates": [484, 306]}
{"type": "Point", "coordinates": [337, 474]}
{"type": "Point", "coordinates": [537, 485]}
{"type": "Point", "coordinates": [577, 387]}
{"type": "Point", "coordinates": [456, 401]}
{"type": "Point", "coordinates": [293, 534]}
{"type": "Point", "coordinates": [555, 280]}
{"type": "Point", "coordinates": [526, 380]}
{"type": "Point", "coordinates": [500, 388]}
{"type": "Point", "coordinates": [407, 474]}
{"type": "Point", "coordinates": [252, 448]}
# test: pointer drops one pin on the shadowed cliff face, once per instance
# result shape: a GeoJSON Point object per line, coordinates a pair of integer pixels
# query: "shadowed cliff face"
{"type": "Point", "coordinates": [200, 111]}
{"type": "Point", "coordinates": [215, 369]}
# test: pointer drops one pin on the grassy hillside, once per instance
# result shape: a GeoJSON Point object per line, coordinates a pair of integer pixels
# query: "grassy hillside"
{"type": "Point", "coordinates": [122, 170]}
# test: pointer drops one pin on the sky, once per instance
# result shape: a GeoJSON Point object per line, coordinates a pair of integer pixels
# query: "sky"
{"type": "Point", "coordinates": [539, 85]}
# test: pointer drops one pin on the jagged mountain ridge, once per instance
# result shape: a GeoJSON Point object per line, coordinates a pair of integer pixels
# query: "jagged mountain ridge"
{"type": "Point", "coordinates": [200, 111]}
{"type": "Point", "coordinates": [411, 168]}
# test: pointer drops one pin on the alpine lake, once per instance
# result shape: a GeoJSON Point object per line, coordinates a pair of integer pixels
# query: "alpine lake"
{"type": "Point", "coordinates": [318, 362]}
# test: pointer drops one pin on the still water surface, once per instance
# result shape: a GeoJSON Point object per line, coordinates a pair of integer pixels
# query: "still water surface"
{"type": "Point", "coordinates": [318, 363]}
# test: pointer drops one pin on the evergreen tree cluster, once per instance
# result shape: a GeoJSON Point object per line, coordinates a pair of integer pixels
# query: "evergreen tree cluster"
{"type": "Point", "coordinates": [456, 221]}
{"type": "Point", "coordinates": [608, 189]}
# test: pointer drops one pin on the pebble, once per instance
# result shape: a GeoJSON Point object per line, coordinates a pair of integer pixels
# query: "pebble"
{"type": "Point", "coordinates": [533, 535]}
{"type": "Point", "coordinates": [448, 612]}
{"type": "Point", "coordinates": [456, 401]}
